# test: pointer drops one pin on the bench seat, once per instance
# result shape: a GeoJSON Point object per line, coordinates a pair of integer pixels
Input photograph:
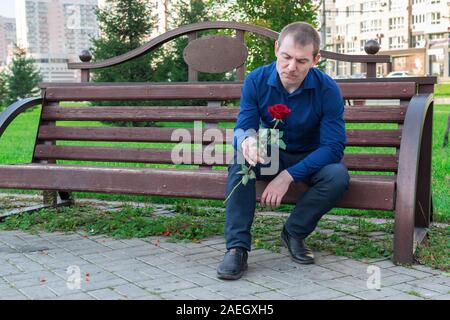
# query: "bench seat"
{"type": "Point", "coordinates": [195, 183]}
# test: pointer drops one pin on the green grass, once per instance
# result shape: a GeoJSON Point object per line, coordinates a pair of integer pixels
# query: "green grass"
{"type": "Point", "coordinates": [436, 252]}
{"type": "Point", "coordinates": [351, 237]}
{"type": "Point", "coordinates": [414, 293]}
{"type": "Point", "coordinates": [442, 89]}
{"type": "Point", "coordinates": [128, 222]}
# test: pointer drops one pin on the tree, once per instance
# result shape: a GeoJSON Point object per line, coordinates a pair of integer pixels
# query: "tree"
{"type": "Point", "coordinates": [3, 90]}
{"type": "Point", "coordinates": [20, 79]}
{"type": "Point", "coordinates": [124, 26]}
{"type": "Point", "coordinates": [272, 14]}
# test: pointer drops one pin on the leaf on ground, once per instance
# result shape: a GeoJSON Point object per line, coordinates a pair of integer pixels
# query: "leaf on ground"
{"type": "Point", "coordinates": [156, 242]}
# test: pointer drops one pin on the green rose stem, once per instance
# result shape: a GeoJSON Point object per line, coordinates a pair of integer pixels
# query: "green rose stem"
{"type": "Point", "coordinates": [277, 121]}
{"type": "Point", "coordinates": [233, 190]}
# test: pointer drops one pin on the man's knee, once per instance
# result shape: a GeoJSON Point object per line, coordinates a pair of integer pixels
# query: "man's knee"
{"type": "Point", "coordinates": [335, 176]}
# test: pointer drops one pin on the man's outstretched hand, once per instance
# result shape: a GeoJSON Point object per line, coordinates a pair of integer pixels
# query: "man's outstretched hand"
{"type": "Point", "coordinates": [276, 189]}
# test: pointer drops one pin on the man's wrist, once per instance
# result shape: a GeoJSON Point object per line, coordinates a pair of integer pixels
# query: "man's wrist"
{"type": "Point", "coordinates": [287, 176]}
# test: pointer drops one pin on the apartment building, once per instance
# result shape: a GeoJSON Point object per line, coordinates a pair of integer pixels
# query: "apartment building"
{"type": "Point", "coordinates": [416, 33]}
{"type": "Point", "coordinates": [7, 39]}
{"type": "Point", "coordinates": [54, 32]}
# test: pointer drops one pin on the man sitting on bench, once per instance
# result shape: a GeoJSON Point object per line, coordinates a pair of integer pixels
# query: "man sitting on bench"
{"type": "Point", "coordinates": [314, 134]}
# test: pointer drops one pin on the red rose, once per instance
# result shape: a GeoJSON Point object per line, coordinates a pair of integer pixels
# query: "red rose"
{"type": "Point", "coordinates": [279, 111]}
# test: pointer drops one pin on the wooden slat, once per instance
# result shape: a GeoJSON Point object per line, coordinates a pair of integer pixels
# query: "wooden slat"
{"type": "Point", "coordinates": [124, 134]}
{"type": "Point", "coordinates": [373, 137]}
{"type": "Point", "coordinates": [371, 162]}
{"type": "Point", "coordinates": [379, 114]}
{"type": "Point", "coordinates": [355, 137]}
{"type": "Point", "coordinates": [427, 80]}
{"type": "Point", "coordinates": [394, 114]}
{"type": "Point", "coordinates": [362, 162]}
{"type": "Point", "coordinates": [208, 91]}
{"type": "Point", "coordinates": [138, 155]}
{"type": "Point", "coordinates": [365, 192]}
{"type": "Point", "coordinates": [145, 91]}
{"type": "Point", "coordinates": [200, 113]}
{"type": "Point", "coordinates": [378, 90]}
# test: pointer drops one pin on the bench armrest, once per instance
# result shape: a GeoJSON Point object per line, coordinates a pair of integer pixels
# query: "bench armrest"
{"type": "Point", "coordinates": [11, 112]}
{"type": "Point", "coordinates": [413, 201]}
{"type": "Point", "coordinates": [412, 136]}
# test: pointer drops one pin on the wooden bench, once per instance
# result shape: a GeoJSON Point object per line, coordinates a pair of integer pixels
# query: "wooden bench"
{"type": "Point", "coordinates": [404, 187]}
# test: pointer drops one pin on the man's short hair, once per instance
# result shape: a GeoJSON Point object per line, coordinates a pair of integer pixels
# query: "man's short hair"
{"type": "Point", "coordinates": [303, 34]}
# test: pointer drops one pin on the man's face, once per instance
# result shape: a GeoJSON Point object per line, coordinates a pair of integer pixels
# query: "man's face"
{"type": "Point", "coordinates": [294, 61]}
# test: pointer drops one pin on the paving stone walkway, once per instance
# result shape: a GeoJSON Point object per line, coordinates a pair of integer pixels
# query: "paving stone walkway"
{"type": "Point", "coordinates": [48, 266]}
{"type": "Point", "coordinates": [80, 266]}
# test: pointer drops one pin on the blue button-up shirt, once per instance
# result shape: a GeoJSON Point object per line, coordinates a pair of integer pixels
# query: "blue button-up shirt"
{"type": "Point", "coordinates": [315, 125]}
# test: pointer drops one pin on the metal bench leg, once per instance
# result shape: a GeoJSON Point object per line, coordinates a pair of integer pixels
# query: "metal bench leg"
{"type": "Point", "coordinates": [404, 235]}
{"type": "Point", "coordinates": [57, 198]}
{"type": "Point", "coordinates": [407, 236]}
{"type": "Point", "coordinates": [49, 198]}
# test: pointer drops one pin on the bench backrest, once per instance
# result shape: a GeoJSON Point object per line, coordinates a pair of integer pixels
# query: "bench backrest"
{"type": "Point", "coordinates": [87, 138]}
{"type": "Point", "coordinates": [209, 54]}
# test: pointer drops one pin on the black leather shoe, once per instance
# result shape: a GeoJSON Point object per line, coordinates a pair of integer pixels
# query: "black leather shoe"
{"type": "Point", "coordinates": [233, 265]}
{"type": "Point", "coordinates": [297, 248]}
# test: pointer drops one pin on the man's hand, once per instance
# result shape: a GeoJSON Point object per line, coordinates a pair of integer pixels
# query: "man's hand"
{"type": "Point", "coordinates": [250, 151]}
{"type": "Point", "coordinates": [276, 189]}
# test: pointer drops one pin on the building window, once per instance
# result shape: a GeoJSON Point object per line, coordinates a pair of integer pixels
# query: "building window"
{"type": "Point", "coordinates": [370, 6]}
{"type": "Point", "coordinates": [370, 25]}
{"type": "Point", "coordinates": [350, 11]}
{"type": "Point", "coordinates": [340, 30]}
{"type": "Point", "coordinates": [396, 5]}
{"type": "Point", "coordinates": [434, 36]}
{"type": "Point", "coordinates": [418, 41]}
{"type": "Point", "coordinates": [396, 42]}
{"type": "Point", "coordinates": [435, 18]}
{"type": "Point", "coordinates": [396, 23]}
{"type": "Point", "coordinates": [418, 18]}
{"type": "Point", "coordinates": [362, 43]}
{"type": "Point", "coordinates": [376, 25]}
{"type": "Point", "coordinates": [363, 26]}
{"type": "Point", "coordinates": [350, 47]}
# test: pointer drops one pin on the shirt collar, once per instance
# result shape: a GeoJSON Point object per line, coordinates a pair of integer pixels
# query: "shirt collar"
{"type": "Point", "coordinates": [274, 80]}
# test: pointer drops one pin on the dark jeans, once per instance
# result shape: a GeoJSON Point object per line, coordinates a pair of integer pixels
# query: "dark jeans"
{"type": "Point", "coordinates": [326, 187]}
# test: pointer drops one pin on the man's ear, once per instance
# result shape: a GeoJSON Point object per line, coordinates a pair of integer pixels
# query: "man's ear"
{"type": "Point", "coordinates": [277, 47]}
{"type": "Point", "coordinates": [316, 59]}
